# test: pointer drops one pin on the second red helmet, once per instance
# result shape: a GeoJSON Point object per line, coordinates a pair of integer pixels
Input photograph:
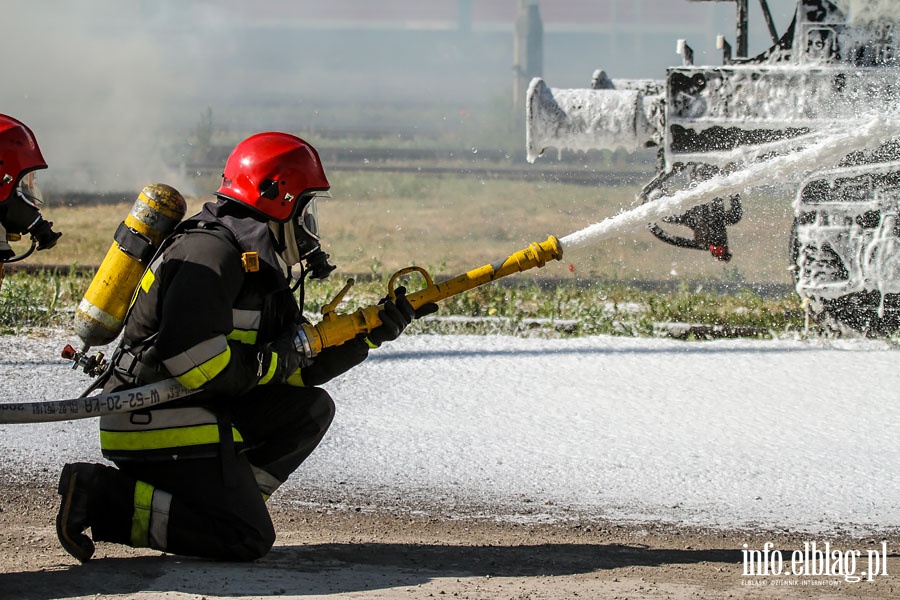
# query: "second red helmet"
{"type": "Point", "coordinates": [19, 154]}
{"type": "Point", "coordinates": [271, 172]}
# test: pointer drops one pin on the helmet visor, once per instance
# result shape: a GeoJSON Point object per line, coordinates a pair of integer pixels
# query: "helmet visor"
{"type": "Point", "coordinates": [308, 220]}
{"type": "Point", "coordinates": [308, 217]}
{"type": "Point", "coordinates": [28, 190]}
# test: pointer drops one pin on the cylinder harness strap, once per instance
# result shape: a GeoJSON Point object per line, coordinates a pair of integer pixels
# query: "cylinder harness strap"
{"type": "Point", "coordinates": [134, 243]}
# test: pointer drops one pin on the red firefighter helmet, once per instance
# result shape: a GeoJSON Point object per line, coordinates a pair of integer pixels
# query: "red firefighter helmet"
{"type": "Point", "coordinates": [19, 154]}
{"type": "Point", "coordinates": [272, 172]}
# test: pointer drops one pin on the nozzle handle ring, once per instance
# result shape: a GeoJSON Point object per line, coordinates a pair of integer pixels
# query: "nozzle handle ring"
{"type": "Point", "coordinates": [406, 271]}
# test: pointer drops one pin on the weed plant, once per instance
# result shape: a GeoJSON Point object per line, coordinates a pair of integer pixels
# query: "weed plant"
{"type": "Point", "coordinates": [42, 299]}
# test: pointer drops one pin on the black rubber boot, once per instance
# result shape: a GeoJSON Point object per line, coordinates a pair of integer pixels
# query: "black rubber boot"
{"type": "Point", "coordinates": [72, 519]}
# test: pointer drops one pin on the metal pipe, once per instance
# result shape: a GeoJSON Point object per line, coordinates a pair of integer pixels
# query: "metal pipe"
{"type": "Point", "coordinates": [770, 23]}
{"type": "Point", "coordinates": [742, 28]}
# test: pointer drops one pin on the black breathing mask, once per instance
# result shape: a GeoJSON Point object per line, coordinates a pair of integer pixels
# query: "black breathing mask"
{"type": "Point", "coordinates": [300, 243]}
{"type": "Point", "coordinates": [21, 214]}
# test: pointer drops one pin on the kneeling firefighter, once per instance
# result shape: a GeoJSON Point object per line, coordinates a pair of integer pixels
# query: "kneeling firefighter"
{"type": "Point", "coordinates": [20, 197]}
{"type": "Point", "coordinates": [216, 310]}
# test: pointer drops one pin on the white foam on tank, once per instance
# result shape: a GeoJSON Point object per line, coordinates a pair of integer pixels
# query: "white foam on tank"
{"type": "Point", "coordinates": [785, 96]}
{"type": "Point", "coordinates": [748, 154]}
{"type": "Point", "coordinates": [869, 11]}
{"type": "Point", "coordinates": [585, 119]}
{"type": "Point", "coordinates": [779, 169]}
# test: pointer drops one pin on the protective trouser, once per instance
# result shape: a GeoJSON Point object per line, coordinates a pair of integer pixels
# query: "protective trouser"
{"type": "Point", "coordinates": [214, 507]}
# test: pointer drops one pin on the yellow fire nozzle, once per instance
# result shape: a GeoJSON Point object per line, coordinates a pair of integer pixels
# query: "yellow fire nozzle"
{"type": "Point", "coordinates": [335, 329]}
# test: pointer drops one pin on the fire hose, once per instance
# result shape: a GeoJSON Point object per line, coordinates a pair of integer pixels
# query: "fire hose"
{"type": "Point", "coordinates": [333, 330]}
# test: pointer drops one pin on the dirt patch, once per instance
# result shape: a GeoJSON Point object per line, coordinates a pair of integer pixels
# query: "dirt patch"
{"type": "Point", "coordinates": [361, 553]}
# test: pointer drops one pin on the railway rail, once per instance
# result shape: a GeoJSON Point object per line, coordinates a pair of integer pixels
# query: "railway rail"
{"type": "Point", "coordinates": [484, 165]}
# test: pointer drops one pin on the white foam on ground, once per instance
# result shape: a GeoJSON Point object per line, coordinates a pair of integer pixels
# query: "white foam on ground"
{"type": "Point", "coordinates": [786, 433]}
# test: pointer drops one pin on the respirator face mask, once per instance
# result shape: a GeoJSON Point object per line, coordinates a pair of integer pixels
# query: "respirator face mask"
{"type": "Point", "coordinates": [21, 214]}
{"type": "Point", "coordinates": [300, 242]}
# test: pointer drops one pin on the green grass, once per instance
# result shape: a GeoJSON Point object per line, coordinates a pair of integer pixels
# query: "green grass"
{"type": "Point", "coordinates": [379, 222]}
{"type": "Point", "coordinates": [457, 223]}
{"type": "Point", "coordinates": [513, 306]}
{"type": "Point", "coordinates": [44, 299]}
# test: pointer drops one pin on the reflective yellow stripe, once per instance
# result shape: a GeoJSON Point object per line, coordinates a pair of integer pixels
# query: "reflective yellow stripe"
{"type": "Point", "coordinates": [202, 373]}
{"type": "Point", "coordinates": [157, 439]}
{"type": "Point", "coordinates": [296, 379]}
{"type": "Point", "coordinates": [140, 520]}
{"type": "Point", "coordinates": [243, 336]}
{"type": "Point", "coordinates": [196, 355]}
{"type": "Point", "coordinates": [147, 280]}
{"type": "Point", "coordinates": [270, 372]}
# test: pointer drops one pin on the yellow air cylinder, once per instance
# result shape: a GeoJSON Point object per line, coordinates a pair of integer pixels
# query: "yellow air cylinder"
{"type": "Point", "coordinates": [154, 215]}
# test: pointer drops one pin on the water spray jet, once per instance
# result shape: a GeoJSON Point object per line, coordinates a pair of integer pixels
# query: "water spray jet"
{"type": "Point", "coordinates": [825, 152]}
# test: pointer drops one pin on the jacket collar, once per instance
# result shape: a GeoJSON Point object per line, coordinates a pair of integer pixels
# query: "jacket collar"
{"type": "Point", "coordinates": [249, 229]}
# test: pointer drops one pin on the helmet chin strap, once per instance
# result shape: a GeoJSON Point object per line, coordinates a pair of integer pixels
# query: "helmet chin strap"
{"type": "Point", "coordinates": [288, 252]}
{"type": "Point", "coordinates": [294, 261]}
{"type": "Point", "coordinates": [291, 252]}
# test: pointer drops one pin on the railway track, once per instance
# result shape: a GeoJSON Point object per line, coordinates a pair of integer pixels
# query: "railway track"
{"type": "Point", "coordinates": [447, 164]}
{"type": "Point", "coordinates": [588, 178]}
{"type": "Point", "coordinates": [482, 165]}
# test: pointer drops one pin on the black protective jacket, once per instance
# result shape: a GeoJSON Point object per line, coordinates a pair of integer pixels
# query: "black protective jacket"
{"type": "Point", "coordinates": [200, 316]}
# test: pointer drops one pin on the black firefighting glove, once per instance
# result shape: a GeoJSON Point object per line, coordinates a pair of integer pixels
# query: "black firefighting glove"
{"type": "Point", "coordinates": [280, 360]}
{"type": "Point", "coordinates": [395, 316]}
